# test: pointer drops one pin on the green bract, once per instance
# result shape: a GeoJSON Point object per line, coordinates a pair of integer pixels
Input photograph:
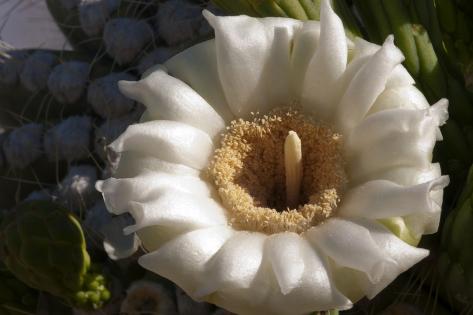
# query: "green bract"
{"type": "Point", "coordinates": [43, 245]}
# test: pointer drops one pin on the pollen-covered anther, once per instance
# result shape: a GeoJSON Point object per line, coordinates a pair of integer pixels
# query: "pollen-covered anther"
{"type": "Point", "coordinates": [252, 175]}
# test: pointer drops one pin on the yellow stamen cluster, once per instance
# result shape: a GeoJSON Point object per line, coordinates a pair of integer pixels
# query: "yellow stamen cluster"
{"type": "Point", "coordinates": [248, 171]}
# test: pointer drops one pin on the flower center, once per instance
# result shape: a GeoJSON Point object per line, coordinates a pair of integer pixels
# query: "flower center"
{"type": "Point", "coordinates": [278, 172]}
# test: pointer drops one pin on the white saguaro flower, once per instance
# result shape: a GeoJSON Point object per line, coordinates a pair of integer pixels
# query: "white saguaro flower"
{"type": "Point", "coordinates": [280, 168]}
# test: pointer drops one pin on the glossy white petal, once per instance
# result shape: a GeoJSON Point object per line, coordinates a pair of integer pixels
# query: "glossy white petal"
{"type": "Point", "coordinates": [120, 193]}
{"type": "Point", "coordinates": [170, 141]}
{"type": "Point", "coordinates": [399, 77]}
{"type": "Point", "coordinates": [235, 265]}
{"type": "Point", "coordinates": [285, 253]}
{"type": "Point", "coordinates": [253, 57]}
{"type": "Point", "coordinates": [307, 287]}
{"type": "Point", "coordinates": [327, 65]}
{"type": "Point", "coordinates": [177, 209]}
{"type": "Point", "coordinates": [426, 223]}
{"type": "Point", "coordinates": [362, 53]}
{"type": "Point", "coordinates": [397, 137]}
{"type": "Point", "coordinates": [132, 163]}
{"type": "Point", "coordinates": [392, 248]}
{"type": "Point", "coordinates": [304, 46]}
{"type": "Point", "coordinates": [314, 291]}
{"type": "Point", "coordinates": [350, 245]}
{"type": "Point", "coordinates": [401, 175]}
{"type": "Point", "coordinates": [402, 97]}
{"type": "Point", "coordinates": [367, 84]}
{"type": "Point", "coordinates": [197, 66]}
{"type": "Point", "coordinates": [183, 260]}
{"type": "Point", "coordinates": [168, 98]}
{"type": "Point", "coordinates": [379, 199]}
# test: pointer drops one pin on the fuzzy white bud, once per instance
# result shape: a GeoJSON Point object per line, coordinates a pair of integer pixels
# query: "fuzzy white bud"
{"type": "Point", "coordinates": [36, 70]}
{"type": "Point", "coordinates": [105, 97]}
{"type": "Point", "coordinates": [125, 38]}
{"type": "Point", "coordinates": [68, 80]}
{"type": "Point", "coordinates": [69, 140]}
{"type": "Point", "coordinates": [77, 190]}
{"type": "Point", "coordinates": [23, 145]}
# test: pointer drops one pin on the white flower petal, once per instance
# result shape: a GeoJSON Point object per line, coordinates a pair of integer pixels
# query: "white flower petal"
{"type": "Point", "coordinates": [401, 97]}
{"type": "Point", "coordinates": [253, 57]}
{"type": "Point", "coordinates": [327, 65]}
{"type": "Point", "coordinates": [132, 163]}
{"type": "Point", "coordinates": [183, 259]}
{"type": "Point", "coordinates": [119, 194]}
{"type": "Point", "coordinates": [364, 48]}
{"type": "Point", "coordinates": [402, 175]}
{"type": "Point", "coordinates": [168, 98]}
{"type": "Point", "coordinates": [362, 53]}
{"type": "Point", "coordinates": [397, 137]}
{"type": "Point", "coordinates": [167, 140]}
{"type": "Point", "coordinates": [426, 223]}
{"type": "Point", "coordinates": [392, 248]}
{"type": "Point", "coordinates": [305, 44]}
{"type": "Point", "coordinates": [235, 265]}
{"type": "Point", "coordinates": [367, 84]}
{"type": "Point", "coordinates": [350, 245]}
{"type": "Point", "coordinates": [379, 199]}
{"type": "Point", "coordinates": [175, 208]}
{"type": "Point", "coordinates": [399, 77]}
{"type": "Point", "coordinates": [197, 66]}
{"type": "Point", "coordinates": [285, 253]}
{"type": "Point", "coordinates": [314, 291]}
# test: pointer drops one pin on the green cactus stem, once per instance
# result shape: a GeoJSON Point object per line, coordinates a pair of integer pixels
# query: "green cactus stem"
{"type": "Point", "coordinates": [43, 245]}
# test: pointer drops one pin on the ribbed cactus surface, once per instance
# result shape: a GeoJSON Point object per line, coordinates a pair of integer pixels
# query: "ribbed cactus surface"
{"type": "Point", "coordinates": [15, 297]}
{"type": "Point", "coordinates": [43, 245]}
{"type": "Point", "coordinates": [455, 263]}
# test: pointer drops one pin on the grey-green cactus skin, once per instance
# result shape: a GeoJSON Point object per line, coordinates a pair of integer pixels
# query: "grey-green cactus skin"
{"type": "Point", "coordinates": [43, 245]}
{"type": "Point", "coordinates": [456, 256]}
{"type": "Point", "coordinates": [15, 297]}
